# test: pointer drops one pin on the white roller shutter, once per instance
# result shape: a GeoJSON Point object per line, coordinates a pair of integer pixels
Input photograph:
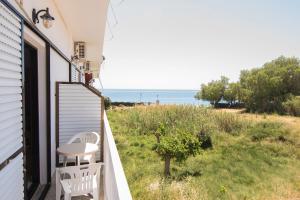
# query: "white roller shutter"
{"type": "Point", "coordinates": [11, 176]}
{"type": "Point", "coordinates": [74, 74]}
{"type": "Point", "coordinates": [11, 180]}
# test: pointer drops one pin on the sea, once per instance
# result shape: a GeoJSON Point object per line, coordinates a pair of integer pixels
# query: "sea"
{"type": "Point", "coordinates": [179, 97]}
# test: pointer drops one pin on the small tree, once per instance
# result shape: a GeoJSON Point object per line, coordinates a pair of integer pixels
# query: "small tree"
{"type": "Point", "coordinates": [154, 124]}
{"type": "Point", "coordinates": [160, 131]}
{"type": "Point", "coordinates": [213, 91]}
{"type": "Point", "coordinates": [179, 146]}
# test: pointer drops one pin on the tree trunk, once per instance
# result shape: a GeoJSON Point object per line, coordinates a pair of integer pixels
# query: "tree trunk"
{"type": "Point", "coordinates": [167, 166]}
{"type": "Point", "coordinates": [157, 138]}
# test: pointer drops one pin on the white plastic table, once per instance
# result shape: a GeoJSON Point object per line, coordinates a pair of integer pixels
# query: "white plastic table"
{"type": "Point", "coordinates": [77, 150]}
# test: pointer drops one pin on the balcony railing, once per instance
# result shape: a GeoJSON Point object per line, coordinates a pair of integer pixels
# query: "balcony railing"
{"type": "Point", "coordinates": [115, 183]}
{"type": "Point", "coordinates": [80, 108]}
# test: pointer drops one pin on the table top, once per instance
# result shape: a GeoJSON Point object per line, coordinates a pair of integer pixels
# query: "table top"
{"type": "Point", "coordinates": [77, 149]}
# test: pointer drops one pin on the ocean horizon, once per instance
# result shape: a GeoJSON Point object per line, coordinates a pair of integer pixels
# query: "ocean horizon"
{"type": "Point", "coordinates": [164, 96]}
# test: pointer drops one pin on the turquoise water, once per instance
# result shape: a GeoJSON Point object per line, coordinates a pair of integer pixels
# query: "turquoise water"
{"type": "Point", "coordinates": [164, 96]}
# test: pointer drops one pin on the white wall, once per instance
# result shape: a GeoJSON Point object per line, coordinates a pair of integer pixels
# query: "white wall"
{"type": "Point", "coordinates": [59, 71]}
{"type": "Point", "coordinates": [58, 33]}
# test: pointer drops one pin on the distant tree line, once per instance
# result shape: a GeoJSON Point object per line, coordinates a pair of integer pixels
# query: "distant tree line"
{"type": "Point", "coordinates": [272, 88]}
{"type": "Point", "coordinates": [109, 104]}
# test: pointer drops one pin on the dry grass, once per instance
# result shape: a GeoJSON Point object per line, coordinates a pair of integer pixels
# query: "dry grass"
{"type": "Point", "coordinates": [289, 122]}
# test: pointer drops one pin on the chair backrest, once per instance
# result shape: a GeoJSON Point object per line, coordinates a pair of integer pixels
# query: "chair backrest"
{"type": "Point", "coordinates": [81, 179]}
{"type": "Point", "coordinates": [85, 137]}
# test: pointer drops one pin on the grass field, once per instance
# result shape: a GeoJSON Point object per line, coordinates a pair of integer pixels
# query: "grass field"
{"type": "Point", "coordinates": [253, 156]}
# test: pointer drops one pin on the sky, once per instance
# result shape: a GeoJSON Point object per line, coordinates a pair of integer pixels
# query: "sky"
{"type": "Point", "coordinates": [180, 44]}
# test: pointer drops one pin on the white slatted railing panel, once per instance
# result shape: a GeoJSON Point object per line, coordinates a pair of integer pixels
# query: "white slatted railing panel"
{"type": "Point", "coordinates": [79, 111]}
{"type": "Point", "coordinates": [11, 180]}
{"type": "Point", "coordinates": [10, 84]}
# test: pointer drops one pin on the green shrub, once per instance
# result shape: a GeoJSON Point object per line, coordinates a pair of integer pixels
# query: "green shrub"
{"type": "Point", "coordinates": [135, 144]}
{"type": "Point", "coordinates": [263, 130]}
{"type": "Point", "coordinates": [205, 139]}
{"type": "Point", "coordinates": [292, 106]}
{"type": "Point", "coordinates": [107, 103]}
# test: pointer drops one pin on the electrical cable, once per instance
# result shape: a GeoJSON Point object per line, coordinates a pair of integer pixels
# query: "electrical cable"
{"type": "Point", "coordinates": [110, 31]}
{"type": "Point", "coordinates": [114, 14]}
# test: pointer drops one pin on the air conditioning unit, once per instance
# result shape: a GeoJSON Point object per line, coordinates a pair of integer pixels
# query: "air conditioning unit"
{"type": "Point", "coordinates": [79, 50]}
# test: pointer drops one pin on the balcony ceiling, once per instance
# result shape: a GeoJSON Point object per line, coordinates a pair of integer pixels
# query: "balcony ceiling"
{"type": "Point", "coordinates": [85, 19]}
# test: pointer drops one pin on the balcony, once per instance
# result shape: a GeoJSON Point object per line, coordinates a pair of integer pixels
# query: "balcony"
{"type": "Point", "coordinates": [82, 107]}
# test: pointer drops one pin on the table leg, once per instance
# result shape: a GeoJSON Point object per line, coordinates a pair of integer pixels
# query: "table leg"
{"type": "Point", "coordinates": [78, 160]}
{"type": "Point", "coordinates": [58, 185]}
{"type": "Point", "coordinates": [93, 158]}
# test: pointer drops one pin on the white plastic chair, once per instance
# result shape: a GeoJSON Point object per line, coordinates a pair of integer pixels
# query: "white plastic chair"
{"type": "Point", "coordinates": [84, 137]}
{"type": "Point", "coordinates": [78, 181]}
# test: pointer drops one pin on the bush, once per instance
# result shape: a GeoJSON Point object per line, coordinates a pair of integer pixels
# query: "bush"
{"type": "Point", "coordinates": [107, 103]}
{"type": "Point", "coordinates": [125, 104]}
{"type": "Point", "coordinates": [205, 139]}
{"type": "Point", "coordinates": [292, 106]}
{"type": "Point", "coordinates": [263, 130]}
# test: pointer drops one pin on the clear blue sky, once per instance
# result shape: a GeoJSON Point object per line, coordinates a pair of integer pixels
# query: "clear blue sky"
{"type": "Point", "coordinates": [179, 44]}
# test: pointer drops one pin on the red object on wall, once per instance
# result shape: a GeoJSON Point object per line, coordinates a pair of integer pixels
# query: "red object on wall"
{"type": "Point", "coordinates": [88, 78]}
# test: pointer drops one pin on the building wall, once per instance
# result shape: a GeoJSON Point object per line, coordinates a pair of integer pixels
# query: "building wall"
{"type": "Point", "coordinates": [61, 37]}
{"type": "Point", "coordinates": [59, 71]}
{"type": "Point", "coordinates": [58, 33]}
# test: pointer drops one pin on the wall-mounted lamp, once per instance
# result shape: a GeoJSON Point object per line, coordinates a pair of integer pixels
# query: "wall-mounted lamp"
{"type": "Point", "coordinates": [46, 17]}
{"type": "Point", "coordinates": [75, 59]}
{"type": "Point", "coordinates": [103, 59]}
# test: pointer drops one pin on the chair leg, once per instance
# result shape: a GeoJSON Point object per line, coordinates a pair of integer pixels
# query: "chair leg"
{"type": "Point", "coordinates": [92, 159]}
{"type": "Point", "coordinates": [65, 161]}
{"type": "Point", "coordinates": [67, 196]}
{"type": "Point", "coordinates": [58, 186]}
{"type": "Point", "coordinates": [95, 194]}
{"type": "Point", "coordinates": [78, 160]}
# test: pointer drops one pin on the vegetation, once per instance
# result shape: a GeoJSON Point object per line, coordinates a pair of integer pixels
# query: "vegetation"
{"type": "Point", "coordinates": [264, 89]}
{"type": "Point", "coordinates": [242, 156]}
{"type": "Point", "coordinates": [233, 93]}
{"type": "Point", "coordinates": [107, 103]}
{"type": "Point", "coordinates": [213, 91]}
{"type": "Point", "coordinates": [179, 146]}
{"type": "Point", "coordinates": [292, 106]}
